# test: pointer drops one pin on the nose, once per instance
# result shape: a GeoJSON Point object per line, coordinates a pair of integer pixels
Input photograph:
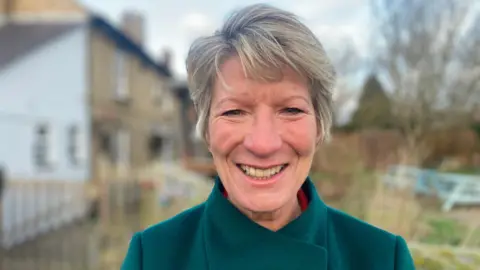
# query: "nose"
{"type": "Point", "coordinates": [263, 138]}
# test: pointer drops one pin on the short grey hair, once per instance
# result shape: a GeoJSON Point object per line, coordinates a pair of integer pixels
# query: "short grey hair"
{"type": "Point", "coordinates": [266, 39]}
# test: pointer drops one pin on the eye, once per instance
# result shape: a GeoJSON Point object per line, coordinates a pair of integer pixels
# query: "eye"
{"type": "Point", "coordinates": [292, 111]}
{"type": "Point", "coordinates": [232, 113]}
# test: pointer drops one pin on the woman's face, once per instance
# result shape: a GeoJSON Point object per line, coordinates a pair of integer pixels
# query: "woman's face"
{"type": "Point", "coordinates": [262, 137]}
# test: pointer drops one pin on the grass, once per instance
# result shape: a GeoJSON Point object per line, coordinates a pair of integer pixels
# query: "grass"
{"type": "Point", "coordinates": [426, 263]}
{"type": "Point", "coordinates": [445, 231]}
{"type": "Point", "coordinates": [430, 258]}
{"type": "Point", "coordinates": [474, 240]}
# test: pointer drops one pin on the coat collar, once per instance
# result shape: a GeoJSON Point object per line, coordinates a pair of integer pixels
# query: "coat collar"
{"type": "Point", "coordinates": [229, 235]}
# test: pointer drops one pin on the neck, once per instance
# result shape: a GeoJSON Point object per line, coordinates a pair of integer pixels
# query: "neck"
{"type": "Point", "coordinates": [277, 219]}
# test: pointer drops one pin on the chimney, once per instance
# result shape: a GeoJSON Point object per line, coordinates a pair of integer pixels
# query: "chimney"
{"type": "Point", "coordinates": [133, 26]}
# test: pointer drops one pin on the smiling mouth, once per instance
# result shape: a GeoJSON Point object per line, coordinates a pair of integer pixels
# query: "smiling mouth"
{"type": "Point", "coordinates": [259, 173]}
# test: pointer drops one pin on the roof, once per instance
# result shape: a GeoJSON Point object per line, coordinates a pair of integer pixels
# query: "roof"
{"type": "Point", "coordinates": [127, 44]}
{"type": "Point", "coordinates": [18, 39]}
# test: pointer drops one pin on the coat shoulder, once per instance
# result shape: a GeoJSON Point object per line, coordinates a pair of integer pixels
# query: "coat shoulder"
{"type": "Point", "coordinates": [366, 244]}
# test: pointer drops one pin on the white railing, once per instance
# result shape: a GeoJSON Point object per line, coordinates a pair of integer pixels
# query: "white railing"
{"type": "Point", "coordinates": [32, 208]}
{"type": "Point", "coordinates": [465, 190]}
{"type": "Point", "coordinates": [452, 189]}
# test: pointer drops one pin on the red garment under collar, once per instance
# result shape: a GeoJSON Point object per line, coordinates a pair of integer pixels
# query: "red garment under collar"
{"type": "Point", "coordinates": [302, 198]}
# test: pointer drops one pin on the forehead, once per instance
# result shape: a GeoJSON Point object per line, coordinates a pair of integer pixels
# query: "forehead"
{"type": "Point", "coordinates": [233, 79]}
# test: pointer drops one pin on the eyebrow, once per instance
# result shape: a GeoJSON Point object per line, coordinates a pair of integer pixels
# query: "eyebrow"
{"type": "Point", "coordinates": [296, 97]}
{"type": "Point", "coordinates": [239, 100]}
{"type": "Point", "coordinates": [225, 100]}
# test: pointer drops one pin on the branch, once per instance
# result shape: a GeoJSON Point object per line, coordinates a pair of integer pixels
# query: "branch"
{"type": "Point", "coordinates": [422, 47]}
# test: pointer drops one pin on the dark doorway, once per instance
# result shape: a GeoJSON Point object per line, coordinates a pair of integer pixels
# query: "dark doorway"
{"type": "Point", "coordinates": [106, 145]}
{"type": "Point", "coordinates": [155, 146]}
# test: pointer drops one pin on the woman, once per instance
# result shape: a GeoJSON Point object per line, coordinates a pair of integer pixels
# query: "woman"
{"type": "Point", "coordinates": [262, 87]}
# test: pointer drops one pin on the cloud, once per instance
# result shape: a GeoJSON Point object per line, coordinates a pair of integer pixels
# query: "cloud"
{"type": "Point", "coordinates": [326, 10]}
{"type": "Point", "coordinates": [305, 9]}
{"type": "Point", "coordinates": [338, 36]}
{"type": "Point", "coordinates": [336, 22]}
{"type": "Point", "coordinates": [335, 37]}
{"type": "Point", "coordinates": [196, 22]}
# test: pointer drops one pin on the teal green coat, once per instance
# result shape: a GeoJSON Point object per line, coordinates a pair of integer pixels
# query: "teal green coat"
{"type": "Point", "coordinates": [216, 236]}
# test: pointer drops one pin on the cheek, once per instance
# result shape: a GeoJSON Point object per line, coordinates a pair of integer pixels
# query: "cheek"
{"type": "Point", "coordinates": [222, 137]}
{"type": "Point", "coordinates": [301, 136]}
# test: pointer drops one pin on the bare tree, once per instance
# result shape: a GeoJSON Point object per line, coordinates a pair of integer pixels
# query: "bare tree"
{"type": "Point", "coordinates": [348, 63]}
{"type": "Point", "coordinates": [429, 52]}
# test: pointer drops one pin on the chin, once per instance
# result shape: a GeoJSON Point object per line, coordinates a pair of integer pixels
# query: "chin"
{"type": "Point", "coordinates": [263, 203]}
{"type": "Point", "coordinates": [264, 198]}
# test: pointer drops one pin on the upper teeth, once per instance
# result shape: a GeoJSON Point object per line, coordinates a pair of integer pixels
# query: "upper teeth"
{"type": "Point", "coordinates": [261, 173]}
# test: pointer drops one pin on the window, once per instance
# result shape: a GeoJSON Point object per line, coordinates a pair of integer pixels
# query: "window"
{"type": "Point", "coordinates": [75, 146]}
{"type": "Point", "coordinates": [122, 147]}
{"type": "Point", "coordinates": [168, 150]}
{"type": "Point", "coordinates": [115, 144]}
{"type": "Point", "coordinates": [43, 152]}
{"type": "Point", "coordinates": [72, 146]}
{"type": "Point", "coordinates": [106, 145]}
{"type": "Point", "coordinates": [161, 142]}
{"type": "Point", "coordinates": [155, 144]}
{"type": "Point", "coordinates": [158, 91]}
{"type": "Point", "coordinates": [120, 77]}
{"type": "Point", "coordinates": [167, 106]}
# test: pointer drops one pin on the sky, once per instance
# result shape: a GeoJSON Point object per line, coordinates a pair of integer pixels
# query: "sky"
{"type": "Point", "coordinates": [175, 24]}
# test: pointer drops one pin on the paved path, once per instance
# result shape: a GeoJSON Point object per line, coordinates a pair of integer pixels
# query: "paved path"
{"type": "Point", "coordinates": [67, 248]}
{"type": "Point", "coordinates": [82, 246]}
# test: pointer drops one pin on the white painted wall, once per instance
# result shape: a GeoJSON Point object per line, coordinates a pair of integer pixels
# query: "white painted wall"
{"type": "Point", "coordinates": [48, 85]}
